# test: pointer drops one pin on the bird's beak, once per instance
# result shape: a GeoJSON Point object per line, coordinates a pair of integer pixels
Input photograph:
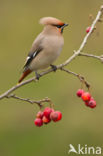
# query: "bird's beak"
{"type": "Point", "coordinates": [63, 27]}
{"type": "Point", "coordinates": [66, 25]}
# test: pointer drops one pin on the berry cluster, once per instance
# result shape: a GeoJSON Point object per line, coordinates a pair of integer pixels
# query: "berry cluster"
{"type": "Point", "coordinates": [86, 97]}
{"type": "Point", "coordinates": [46, 116]}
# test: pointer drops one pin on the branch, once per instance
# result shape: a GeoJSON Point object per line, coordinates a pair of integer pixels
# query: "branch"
{"type": "Point", "coordinates": [80, 77]}
{"type": "Point", "coordinates": [99, 14]}
{"type": "Point", "coordinates": [93, 56]}
{"type": "Point", "coordinates": [39, 103]}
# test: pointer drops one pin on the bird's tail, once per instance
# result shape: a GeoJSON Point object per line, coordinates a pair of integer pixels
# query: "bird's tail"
{"type": "Point", "coordinates": [25, 73]}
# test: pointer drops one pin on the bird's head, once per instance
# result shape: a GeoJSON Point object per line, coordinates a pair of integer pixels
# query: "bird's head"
{"type": "Point", "coordinates": [53, 22]}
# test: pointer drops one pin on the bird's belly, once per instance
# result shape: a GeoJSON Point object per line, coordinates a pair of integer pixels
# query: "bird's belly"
{"type": "Point", "coordinates": [44, 59]}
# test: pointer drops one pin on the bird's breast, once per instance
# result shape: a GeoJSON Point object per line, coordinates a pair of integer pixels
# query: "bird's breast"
{"type": "Point", "coordinates": [53, 44]}
{"type": "Point", "coordinates": [52, 47]}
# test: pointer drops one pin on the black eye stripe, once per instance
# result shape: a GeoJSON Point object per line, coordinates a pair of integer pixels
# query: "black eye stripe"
{"type": "Point", "coordinates": [58, 26]}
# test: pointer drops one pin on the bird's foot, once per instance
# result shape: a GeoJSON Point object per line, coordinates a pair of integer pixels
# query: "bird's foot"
{"type": "Point", "coordinates": [37, 76]}
{"type": "Point", "coordinates": [53, 67]}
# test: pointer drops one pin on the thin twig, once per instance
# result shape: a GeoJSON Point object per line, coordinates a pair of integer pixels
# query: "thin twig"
{"type": "Point", "coordinates": [39, 103]}
{"type": "Point", "coordinates": [93, 56]}
{"type": "Point", "coordinates": [80, 77]}
{"type": "Point", "coordinates": [98, 17]}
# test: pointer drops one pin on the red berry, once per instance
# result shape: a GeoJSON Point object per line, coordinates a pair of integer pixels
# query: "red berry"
{"type": "Point", "coordinates": [46, 120]}
{"type": "Point", "coordinates": [88, 29]}
{"type": "Point", "coordinates": [40, 114]}
{"type": "Point", "coordinates": [86, 103]}
{"type": "Point", "coordinates": [38, 122]}
{"type": "Point", "coordinates": [86, 96]}
{"type": "Point", "coordinates": [92, 103]}
{"type": "Point", "coordinates": [80, 92]}
{"type": "Point", "coordinates": [56, 116]}
{"type": "Point", "coordinates": [47, 112]}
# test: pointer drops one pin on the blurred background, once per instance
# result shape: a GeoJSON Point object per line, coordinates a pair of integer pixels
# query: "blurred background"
{"type": "Point", "coordinates": [79, 125]}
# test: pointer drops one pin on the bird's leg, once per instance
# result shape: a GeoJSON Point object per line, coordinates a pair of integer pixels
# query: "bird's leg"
{"type": "Point", "coordinates": [37, 75]}
{"type": "Point", "coordinates": [53, 67]}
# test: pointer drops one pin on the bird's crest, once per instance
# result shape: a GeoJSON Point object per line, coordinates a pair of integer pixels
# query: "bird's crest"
{"type": "Point", "coordinates": [50, 21]}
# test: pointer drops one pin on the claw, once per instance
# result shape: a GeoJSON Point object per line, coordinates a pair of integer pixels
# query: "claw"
{"type": "Point", "coordinates": [53, 67]}
{"type": "Point", "coordinates": [37, 75]}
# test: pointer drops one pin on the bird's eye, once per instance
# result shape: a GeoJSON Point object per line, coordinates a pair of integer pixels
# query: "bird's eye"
{"type": "Point", "coordinates": [58, 26]}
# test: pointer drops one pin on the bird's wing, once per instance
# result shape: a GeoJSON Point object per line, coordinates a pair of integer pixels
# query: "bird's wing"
{"type": "Point", "coordinates": [31, 56]}
{"type": "Point", "coordinates": [35, 50]}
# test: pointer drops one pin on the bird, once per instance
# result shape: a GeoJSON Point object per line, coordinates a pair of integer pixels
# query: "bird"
{"type": "Point", "coordinates": [46, 48]}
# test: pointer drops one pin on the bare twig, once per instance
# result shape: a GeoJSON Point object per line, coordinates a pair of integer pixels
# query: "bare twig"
{"type": "Point", "coordinates": [80, 77]}
{"type": "Point", "coordinates": [93, 56]}
{"type": "Point", "coordinates": [98, 17]}
{"type": "Point", "coordinates": [39, 103]}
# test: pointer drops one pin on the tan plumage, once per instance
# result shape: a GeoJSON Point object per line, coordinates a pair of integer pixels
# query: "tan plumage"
{"type": "Point", "coordinates": [46, 47]}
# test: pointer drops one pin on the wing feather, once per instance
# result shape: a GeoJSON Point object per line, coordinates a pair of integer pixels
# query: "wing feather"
{"type": "Point", "coordinates": [36, 48]}
{"type": "Point", "coordinates": [31, 56]}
